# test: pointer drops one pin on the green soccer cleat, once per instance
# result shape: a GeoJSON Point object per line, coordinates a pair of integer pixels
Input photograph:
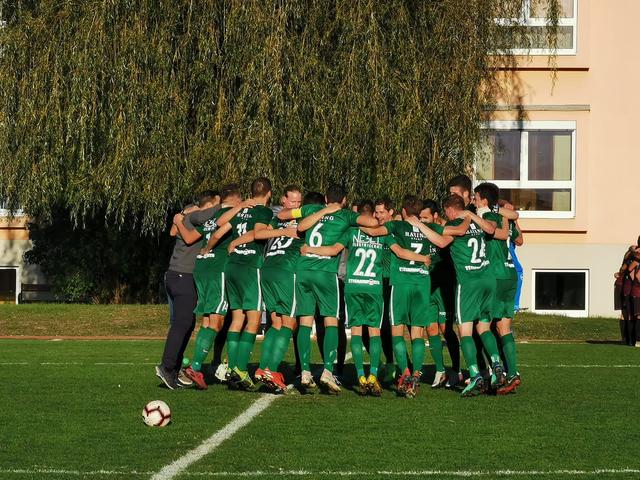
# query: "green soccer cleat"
{"type": "Point", "coordinates": [498, 376]}
{"type": "Point", "coordinates": [475, 387]}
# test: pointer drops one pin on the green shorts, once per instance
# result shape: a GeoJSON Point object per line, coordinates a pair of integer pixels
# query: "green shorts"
{"type": "Point", "coordinates": [437, 310]}
{"type": "Point", "coordinates": [409, 305]}
{"type": "Point", "coordinates": [279, 291]}
{"type": "Point", "coordinates": [505, 299]}
{"type": "Point", "coordinates": [474, 300]}
{"type": "Point", "coordinates": [211, 293]}
{"type": "Point", "coordinates": [362, 309]}
{"type": "Point", "coordinates": [243, 288]}
{"type": "Point", "coordinates": [317, 288]}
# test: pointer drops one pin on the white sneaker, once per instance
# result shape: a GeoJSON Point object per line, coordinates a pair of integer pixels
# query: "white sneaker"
{"type": "Point", "coordinates": [221, 372]}
{"type": "Point", "coordinates": [439, 380]}
{"type": "Point", "coordinates": [307, 379]}
{"type": "Point", "coordinates": [328, 381]}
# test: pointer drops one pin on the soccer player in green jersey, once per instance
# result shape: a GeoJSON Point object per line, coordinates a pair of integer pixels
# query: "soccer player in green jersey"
{"type": "Point", "coordinates": [503, 270]}
{"type": "Point", "coordinates": [443, 280]}
{"type": "Point", "coordinates": [410, 292]}
{"type": "Point", "coordinates": [209, 277]}
{"type": "Point", "coordinates": [363, 292]}
{"type": "Point", "coordinates": [242, 278]}
{"type": "Point", "coordinates": [317, 278]}
{"type": "Point", "coordinates": [278, 288]}
{"type": "Point", "coordinates": [385, 212]}
{"type": "Point", "coordinates": [475, 291]}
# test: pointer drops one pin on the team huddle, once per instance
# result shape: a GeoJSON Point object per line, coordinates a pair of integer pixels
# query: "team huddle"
{"type": "Point", "coordinates": [412, 273]}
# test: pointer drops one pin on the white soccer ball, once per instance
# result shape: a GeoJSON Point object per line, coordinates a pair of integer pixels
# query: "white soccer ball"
{"type": "Point", "coordinates": [156, 414]}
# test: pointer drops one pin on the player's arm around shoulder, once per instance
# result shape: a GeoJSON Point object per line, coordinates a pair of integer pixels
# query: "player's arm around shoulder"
{"type": "Point", "coordinates": [327, 251]}
{"type": "Point", "coordinates": [309, 220]}
{"type": "Point", "coordinates": [215, 238]}
{"type": "Point", "coordinates": [189, 236]}
{"type": "Point", "coordinates": [455, 228]}
{"type": "Point", "coordinates": [439, 240]}
{"type": "Point", "coordinates": [405, 254]}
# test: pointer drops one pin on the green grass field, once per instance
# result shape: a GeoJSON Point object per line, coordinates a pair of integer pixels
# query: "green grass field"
{"type": "Point", "coordinates": [71, 409]}
{"type": "Point", "coordinates": [151, 320]}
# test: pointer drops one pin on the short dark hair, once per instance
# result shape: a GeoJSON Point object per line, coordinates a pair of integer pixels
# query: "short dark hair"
{"type": "Point", "coordinates": [336, 193]}
{"type": "Point", "coordinates": [386, 201]}
{"type": "Point", "coordinates": [455, 201]}
{"type": "Point", "coordinates": [260, 187]}
{"type": "Point", "coordinates": [291, 188]}
{"type": "Point", "coordinates": [230, 190]}
{"type": "Point", "coordinates": [488, 191]}
{"type": "Point", "coordinates": [412, 205]}
{"type": "Point", "coordinates": [431, 205]}
{"type": "Point", "coordinates": [205, 196]}
{"type": "Point", "coordinates": [366, 206]}
{"type": "Point", "coordinates": [461, 181]}
{"type": "Point", "coordinates": [313, 198]}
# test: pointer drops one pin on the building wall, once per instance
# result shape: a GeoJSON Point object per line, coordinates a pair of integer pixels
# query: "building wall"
{"type": "Point", "coordinates": [596, 88]}
{"type": "Point", "coordinates": [14, 242]}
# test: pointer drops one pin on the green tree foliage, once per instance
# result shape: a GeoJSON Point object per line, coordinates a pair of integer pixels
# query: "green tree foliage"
{"type": "Point", "coordinates": [127, 107]}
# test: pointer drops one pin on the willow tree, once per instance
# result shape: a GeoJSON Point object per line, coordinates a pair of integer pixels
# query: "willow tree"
{"type": "Point", "coordinates": [129, 106]}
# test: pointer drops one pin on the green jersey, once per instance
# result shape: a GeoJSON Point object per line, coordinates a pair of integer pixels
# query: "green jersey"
{"type": "Point", "coordinates": [325, 233]}
{"type": "Point", "coordinates": [249, 254]}
{"type": "Point", "coordinates": [495, 253]}
{"type": "Point", "coordinates": [406, 272]}
{"type": "Point", "coordinates": [365, 262]}
{"type": "Point", "coordinates": [283, 252]}
{"type": "Point", "coordinates": [469, 252]}
{"type": "Point", "coordinates": [216, 259]}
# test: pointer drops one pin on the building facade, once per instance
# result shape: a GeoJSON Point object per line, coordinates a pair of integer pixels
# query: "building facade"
{"type": "Point", "coordinates": [562, 149]}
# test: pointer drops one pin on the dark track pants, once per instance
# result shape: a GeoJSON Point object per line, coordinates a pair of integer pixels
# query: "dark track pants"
{"type": "Point", "coordinates": [183, 297]}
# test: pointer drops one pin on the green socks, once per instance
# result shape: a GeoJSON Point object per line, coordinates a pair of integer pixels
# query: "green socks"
{"type": "Point", "coordinates": [400, 352]}
{"type": "Point", "coordinates": [490, 344]}
{"type": "Point", "coordinates": [435, 347]}
{"type": "Point", "coordinates": [417, 351]}
{"type": "Point", "coordinates": [509, 347]}
{"type": "Point", "coordinates": [233, 338]}
{"type": "Point", "coordinates": [267, 347]}
{"type": "Point", "coordinates": [204, 340]}
{"type": "Point", "coordinates": [469, 352]}
{"type": "Point", "coordinates": [304, 347]}
{"type": "Point", "coordinates": [375, 350]}
{"type": "Point", "coordinates": [245, 347]}
{"type": "Point", "coordinates": [330, 347]}
{"type": "Point", "coordinates": [356, 350]}
{"type": "Point", "coordinates": [280, 347]}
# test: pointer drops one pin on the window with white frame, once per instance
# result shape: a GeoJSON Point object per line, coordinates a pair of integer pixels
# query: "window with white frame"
{"type": "Point", "coordinates": [533, 16]}
{"type": "Point", "coordinates": [564, 292]}
{"type": "Point", "coordinates": [534, 165]}
{"type": "Point", "coordinates": [5, 211]}
{"type": "Point", "coordinates": [9, 284]}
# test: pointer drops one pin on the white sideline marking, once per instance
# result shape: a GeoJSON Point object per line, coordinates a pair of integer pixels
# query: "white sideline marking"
{"type": "Point", "coordinates": [214, 441]}
{"type": "Point", "coordinates": [328, 473]}
{"type": "Point", "coordinates": [566, 365]}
